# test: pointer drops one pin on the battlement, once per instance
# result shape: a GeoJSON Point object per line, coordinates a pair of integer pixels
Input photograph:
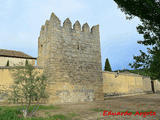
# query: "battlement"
{"type": "Point", "coordinates": [67, 25]}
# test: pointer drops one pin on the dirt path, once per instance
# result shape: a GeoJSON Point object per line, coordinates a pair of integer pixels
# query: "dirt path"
{"type": "Point", "coordinates": [94, 110]}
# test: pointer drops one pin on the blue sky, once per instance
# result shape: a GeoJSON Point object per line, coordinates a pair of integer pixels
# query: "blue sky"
{"type": "Point", "coordinates": [21, 20]}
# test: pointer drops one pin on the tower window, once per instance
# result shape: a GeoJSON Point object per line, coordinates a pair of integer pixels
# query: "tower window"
{"type": "Point", "coordinates": [78, 47]}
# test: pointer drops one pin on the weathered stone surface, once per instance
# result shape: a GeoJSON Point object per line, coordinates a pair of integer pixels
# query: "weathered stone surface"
{"type": "Point", "coordinates": [72, 58]}
{"type": "Point", "coordinates": [125, 84]}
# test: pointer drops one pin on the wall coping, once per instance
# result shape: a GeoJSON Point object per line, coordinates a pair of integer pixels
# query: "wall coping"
{"type": "Point", "coordinates": [126, 74]}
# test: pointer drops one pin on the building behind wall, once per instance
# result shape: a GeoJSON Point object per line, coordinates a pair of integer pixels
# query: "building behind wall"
{"type": "Point", "coordinates": [14, 58]}
{"type": "Point", "coordinates": [71, 59]}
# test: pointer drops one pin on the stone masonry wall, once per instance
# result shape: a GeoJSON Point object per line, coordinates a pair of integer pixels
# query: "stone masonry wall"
{"type": "Point", "coordinates": [7, 80]}
{"type": "Point", "coordinates": [125, 84]}
{"type": "Point", "coordinates": [71, 59]}
{"type": "Point", "coordinates": [113, 85]}
{"type": "Point", "coordinates": [157, 86]}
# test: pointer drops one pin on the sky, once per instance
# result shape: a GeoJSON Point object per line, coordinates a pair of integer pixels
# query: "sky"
{"type": "Point", "coordinates": [21, 20]}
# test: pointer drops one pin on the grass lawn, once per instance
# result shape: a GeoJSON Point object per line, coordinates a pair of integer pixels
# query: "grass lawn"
{"type": "Point", "coordinates": [14, 113]}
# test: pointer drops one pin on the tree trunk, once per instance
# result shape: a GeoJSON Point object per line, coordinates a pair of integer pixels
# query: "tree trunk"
{"type": "Point", "coordinates": [25, 112]}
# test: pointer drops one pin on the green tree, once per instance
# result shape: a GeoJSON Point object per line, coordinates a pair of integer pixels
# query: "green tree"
{"type": "Point", "coordinates": [155, 66]}
{"type": "Point", "coordinates": [7, 63]}
{"type": "Point", "coordinates": [144, 9]}
{"type": "Point", "coordinates": [26, 62]}
{"type": "Point", "coordinates": [29, 87]}
{"type": "Point", "coordinates": [107, 66]}
{"type": "Point", "coordinates": [149, 13]}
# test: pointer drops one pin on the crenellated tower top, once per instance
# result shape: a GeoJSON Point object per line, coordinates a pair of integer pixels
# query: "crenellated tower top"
{"type": "Point", "coordinates": [67, 24]}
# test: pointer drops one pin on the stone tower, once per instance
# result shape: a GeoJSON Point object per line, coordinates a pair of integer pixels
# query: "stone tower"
{"type": "Point", "coordinates": [71, 59]}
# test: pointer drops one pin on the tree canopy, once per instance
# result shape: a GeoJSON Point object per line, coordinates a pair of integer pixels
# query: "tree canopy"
{"type": "Point", "coordinates": [107, 66]}
{"type": "Point", "coordinates": [7, 63]}
{"type": "Point", "coordinates": [149, 13]}
{"type": "Point", "coordinates": [144, 9]}
{"type": "Point", "coordinates": [29, 87]}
